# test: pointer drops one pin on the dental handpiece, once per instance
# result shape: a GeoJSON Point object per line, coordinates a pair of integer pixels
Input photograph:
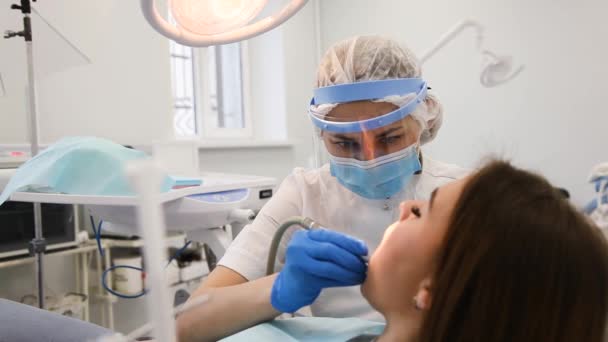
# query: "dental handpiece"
{"type": "Point", "coordinates": [303, 222]}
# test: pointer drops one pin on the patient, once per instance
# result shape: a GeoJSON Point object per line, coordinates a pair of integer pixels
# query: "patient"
{"type": "Point", "coordinates": [497, 256]}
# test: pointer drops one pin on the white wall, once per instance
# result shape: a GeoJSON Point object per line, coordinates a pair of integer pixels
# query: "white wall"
{"type": "Point", "coordinates": [552, 118]}
{"type": "Point", "coordinates": [300, 72]}
{"type": "Point", "coordinates": [123, 95]}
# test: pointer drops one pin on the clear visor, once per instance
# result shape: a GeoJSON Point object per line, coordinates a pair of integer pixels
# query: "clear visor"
{"type": "Point", "coordinates": [368, 144]}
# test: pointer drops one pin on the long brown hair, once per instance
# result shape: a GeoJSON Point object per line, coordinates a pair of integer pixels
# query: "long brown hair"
{"type": "Point", "coordinates": [518, 263]}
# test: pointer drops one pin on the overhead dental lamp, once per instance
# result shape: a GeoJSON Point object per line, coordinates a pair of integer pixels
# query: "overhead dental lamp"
{"type": "Point", "coordinates": [495, 69]}
{"type": "Point", "coordinates": [201, 23]}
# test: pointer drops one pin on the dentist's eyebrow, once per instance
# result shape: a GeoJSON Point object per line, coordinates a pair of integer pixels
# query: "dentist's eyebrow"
{"type": "Point", "coordinates": [343, 137]}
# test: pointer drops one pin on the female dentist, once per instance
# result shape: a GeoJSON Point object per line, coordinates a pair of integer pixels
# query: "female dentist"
{"type": "Point", "coordinates": [372, 111]}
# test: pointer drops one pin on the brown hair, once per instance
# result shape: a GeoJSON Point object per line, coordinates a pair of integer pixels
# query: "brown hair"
{"type": "Point", "coordinates": [518, 263]}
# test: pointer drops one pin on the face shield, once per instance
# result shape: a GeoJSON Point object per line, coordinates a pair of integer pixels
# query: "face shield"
{"type": "Point", "coordinates": [371, 144]}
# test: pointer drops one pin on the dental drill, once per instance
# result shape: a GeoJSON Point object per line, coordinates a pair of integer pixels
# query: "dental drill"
{"type": "Point", "coordinates": [303, 222]}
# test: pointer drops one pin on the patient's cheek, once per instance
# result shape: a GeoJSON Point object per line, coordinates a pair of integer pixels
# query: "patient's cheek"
{"type": "Point", "coordinates": [388, 232]}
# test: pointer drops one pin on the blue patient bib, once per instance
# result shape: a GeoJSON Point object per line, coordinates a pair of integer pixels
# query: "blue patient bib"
{"type": "Point", "coordinates": [308, 329]}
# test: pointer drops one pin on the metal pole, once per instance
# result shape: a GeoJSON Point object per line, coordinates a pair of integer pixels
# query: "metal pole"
{"type": "Point", "coordinates": [109, 280]}
{"type": "Point", "coordinates": [146, 179]}
{"type": "Point", "coordinates": [38, 244]}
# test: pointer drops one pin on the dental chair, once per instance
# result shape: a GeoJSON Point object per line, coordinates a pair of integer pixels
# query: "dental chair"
{"type": "Point", "coordinates": [24, 323]}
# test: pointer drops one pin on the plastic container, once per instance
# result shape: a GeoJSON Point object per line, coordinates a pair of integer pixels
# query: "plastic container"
{"type": "Point", "coordinates": [126, 280]}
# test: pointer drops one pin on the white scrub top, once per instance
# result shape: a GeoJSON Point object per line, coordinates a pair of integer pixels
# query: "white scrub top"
{"type": "Point", "coordinates": [318, 195]}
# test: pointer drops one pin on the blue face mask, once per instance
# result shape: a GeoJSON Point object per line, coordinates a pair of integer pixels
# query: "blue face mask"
{"type": "Point", "coordinates": [79, 166]}
{"type": "Point", "coordinates": [378, 178]}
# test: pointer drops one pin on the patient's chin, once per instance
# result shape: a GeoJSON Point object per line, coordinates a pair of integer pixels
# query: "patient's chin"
{"type": "Point", "coordinates": [367, 288]}
{"type": "Point", "coordinates": [363, 288]}
{"type": "Point", "coordinates": [370, 293]}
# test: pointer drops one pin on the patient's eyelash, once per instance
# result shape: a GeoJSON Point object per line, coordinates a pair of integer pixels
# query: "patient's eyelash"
{"type": "Point", "coordinates": [416, 211]}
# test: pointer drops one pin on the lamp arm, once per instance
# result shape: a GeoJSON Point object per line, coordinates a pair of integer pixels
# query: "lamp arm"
{"type": "Point", "coordinates": [451, 34]}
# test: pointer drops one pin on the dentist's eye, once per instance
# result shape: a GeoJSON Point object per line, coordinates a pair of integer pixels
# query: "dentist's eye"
{"type": "Point", "coordinates": [346, 145]}
{"type": "Point", "coordinates": [416, 211]}
{"type": "Point", "coordinates": [391, 139]}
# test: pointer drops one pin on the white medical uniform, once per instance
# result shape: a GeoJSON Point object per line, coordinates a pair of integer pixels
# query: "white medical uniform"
{"type": "Point", "coordinates": [318, 195]}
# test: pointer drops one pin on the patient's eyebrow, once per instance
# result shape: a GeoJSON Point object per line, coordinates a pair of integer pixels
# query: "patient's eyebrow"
{"type": "Point", "coordinates": [433, 195]}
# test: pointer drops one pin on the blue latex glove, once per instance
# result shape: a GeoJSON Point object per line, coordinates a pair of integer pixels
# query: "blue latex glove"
{"type": "Point", "coordinates": [317, 259]}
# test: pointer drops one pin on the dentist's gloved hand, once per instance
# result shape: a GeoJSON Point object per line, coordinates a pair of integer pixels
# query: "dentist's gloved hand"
{"type": "Point", "coordinates": [317, 259]}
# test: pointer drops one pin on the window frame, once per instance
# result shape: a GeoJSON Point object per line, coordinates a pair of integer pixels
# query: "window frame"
{"type": "Point", "coordinates": [175, 103]}
{"type": "Point", "coordinates": [206, 119]}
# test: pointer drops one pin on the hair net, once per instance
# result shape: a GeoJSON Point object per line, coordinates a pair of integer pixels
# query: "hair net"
{"type": "Point", "coordinates": [369, 58]}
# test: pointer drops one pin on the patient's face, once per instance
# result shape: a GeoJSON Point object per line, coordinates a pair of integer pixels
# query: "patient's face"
{"type": "Point", "coordinates": [407, 255]}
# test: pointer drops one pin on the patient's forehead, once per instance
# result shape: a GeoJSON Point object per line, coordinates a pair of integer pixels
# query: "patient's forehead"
{"type": "Point", "coordinates": [447, 196]}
